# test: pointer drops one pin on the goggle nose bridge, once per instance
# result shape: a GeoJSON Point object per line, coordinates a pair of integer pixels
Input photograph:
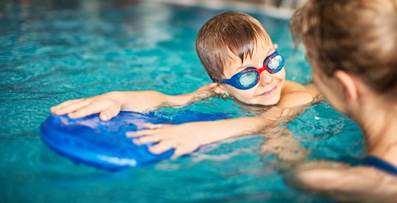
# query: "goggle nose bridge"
{"type": "Point", "coordinates": [260, 70]}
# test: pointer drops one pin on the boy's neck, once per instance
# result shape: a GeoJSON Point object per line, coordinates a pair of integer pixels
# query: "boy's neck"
{"type": "Point", "coordinates": [256, 109]}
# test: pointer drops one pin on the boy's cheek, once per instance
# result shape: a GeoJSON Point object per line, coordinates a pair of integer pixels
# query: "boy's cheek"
{"type": "Point", "coordinates": [245, 96]}
{"type": "Point", "coordinates": [282, 74]}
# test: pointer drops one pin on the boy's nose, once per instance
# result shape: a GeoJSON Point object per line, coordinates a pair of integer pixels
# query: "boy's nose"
{"type": "Point", "coordinates": [266, 78]}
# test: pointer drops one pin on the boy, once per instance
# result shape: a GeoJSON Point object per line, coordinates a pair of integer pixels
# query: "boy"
{"type": "Point", "coordinates": [241, 59]}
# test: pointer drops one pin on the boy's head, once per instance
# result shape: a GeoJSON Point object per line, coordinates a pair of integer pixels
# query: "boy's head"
{"type": "Point", "coordinates": [349, 41]}
{"type": "Point", "coordinates": [229, 43]}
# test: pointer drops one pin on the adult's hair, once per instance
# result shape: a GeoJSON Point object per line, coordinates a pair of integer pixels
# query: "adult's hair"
{"type": "Point", "coordinates": [356, 36]}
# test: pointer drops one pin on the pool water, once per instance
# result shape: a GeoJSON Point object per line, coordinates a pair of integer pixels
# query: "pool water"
{"type": "Point", "coordinates": [51, 51]}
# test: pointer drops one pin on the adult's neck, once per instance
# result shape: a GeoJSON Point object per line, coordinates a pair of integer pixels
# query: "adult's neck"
{"type": "Point", "coordinates": [379, 124]}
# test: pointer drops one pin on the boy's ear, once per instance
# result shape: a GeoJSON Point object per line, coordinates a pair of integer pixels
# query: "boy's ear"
{"type": "Point", "coordinates": [348, 83]}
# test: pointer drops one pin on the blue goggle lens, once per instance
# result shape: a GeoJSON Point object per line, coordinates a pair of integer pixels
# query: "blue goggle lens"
{"type": "Point", "coordinates": [274, 63]}
{"type": "Point", "coordinates": [248, 79]}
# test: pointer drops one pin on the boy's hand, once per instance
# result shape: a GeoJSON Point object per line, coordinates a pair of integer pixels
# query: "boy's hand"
{"type": "Point", "coordinates": [207, 91]}
{"type": "Point", "coordinates": [108, 105]}
{"type": "Point", "coordinates": [184, 138]}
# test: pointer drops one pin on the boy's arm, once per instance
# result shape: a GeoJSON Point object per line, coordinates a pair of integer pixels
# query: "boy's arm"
{"type": "Point", "coordinates": [287, 149]}
{"type": "Point", "coordinates": [143, 101]}
{"type": "Point", "coordinates": [110, 104]}
{"type": "Point", "coordinates": [186, 138]}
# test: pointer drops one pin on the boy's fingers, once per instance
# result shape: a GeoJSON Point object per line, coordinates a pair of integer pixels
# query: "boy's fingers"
{"type": "Point", "coordinates": [147, 139]}
{"type": "Point", "coordinates": [139, 133]}
{"type": "Point", "coordinates": [152, 126]}
{"type": "Point", "coordinates": [212, 85]}
{"type": "Point", "coordinates": [88, 110]}
{"type": "Point", "coordinates": [178, 152]}
{"type": "Point", "coordinates": [186, 149]}
{"type": "Point", "coordinates": [109, 113]}
{"type": "Point", "coordinates": [160, 147]}
{"type": "Point", "coordinates": [65, 104]}
{"type": "Point", "coordinates": [73, 107]}
{"type": "Point", "coordinates": [219, 91]}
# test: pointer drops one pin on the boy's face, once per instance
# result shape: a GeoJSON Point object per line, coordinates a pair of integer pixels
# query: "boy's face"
{"type": "Point", "coordinates": [268, 90]}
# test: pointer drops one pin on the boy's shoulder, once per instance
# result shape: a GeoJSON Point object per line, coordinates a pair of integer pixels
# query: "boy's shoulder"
{"type": "Point", "coordinates": [291, 86]}
{"type": "Point", "coordinates": [294, 95]}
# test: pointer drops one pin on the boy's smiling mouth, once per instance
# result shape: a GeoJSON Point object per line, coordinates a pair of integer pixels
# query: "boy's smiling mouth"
{"type": "Point", "coordinates": [269, 91]}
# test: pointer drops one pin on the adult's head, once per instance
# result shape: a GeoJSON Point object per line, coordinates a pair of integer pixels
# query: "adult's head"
{"type": "Point", "coordinates": [352, 47]}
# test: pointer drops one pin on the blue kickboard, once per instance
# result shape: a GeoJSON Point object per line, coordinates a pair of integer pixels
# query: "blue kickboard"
{"type": "Point", "coordinates": [104, 144]}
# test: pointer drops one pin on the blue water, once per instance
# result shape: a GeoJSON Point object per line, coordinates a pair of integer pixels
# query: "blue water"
{"type": "Point", "coordinates": [54, 51]}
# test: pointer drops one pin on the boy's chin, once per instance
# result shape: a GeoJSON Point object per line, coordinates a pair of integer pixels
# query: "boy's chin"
{"type": "Point", "coordinates": [270, 103]}
{"type": "Point", "coordinates": [267, 102]}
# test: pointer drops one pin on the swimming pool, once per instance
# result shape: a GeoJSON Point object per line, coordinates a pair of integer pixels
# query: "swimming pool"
{"type": "Point", "coordinates": [58, 51]}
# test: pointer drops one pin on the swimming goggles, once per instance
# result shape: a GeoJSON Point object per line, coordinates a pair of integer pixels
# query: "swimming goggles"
{"type": "Point", "coordinates": [249, 77]}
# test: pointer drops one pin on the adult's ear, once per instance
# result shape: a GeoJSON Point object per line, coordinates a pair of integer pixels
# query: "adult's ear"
{"type": "Point", "coordinates": [348, 83]}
